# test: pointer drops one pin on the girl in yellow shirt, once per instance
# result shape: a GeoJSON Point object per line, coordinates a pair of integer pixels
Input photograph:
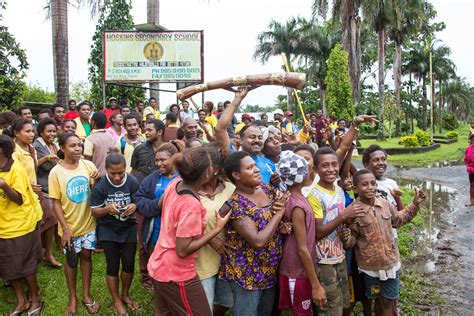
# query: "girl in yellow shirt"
{"type": "Point", "coordinates": [18, 230]}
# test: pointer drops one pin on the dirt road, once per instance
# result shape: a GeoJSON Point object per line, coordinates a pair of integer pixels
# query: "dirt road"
{"type": "Point", "coordinates": [453, 266]}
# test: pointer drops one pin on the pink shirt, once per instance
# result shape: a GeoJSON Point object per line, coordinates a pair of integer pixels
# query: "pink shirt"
{"type": "Point", "coordinates": [183, 216]}
{"type": "Point", "coordinates": [469, 159]}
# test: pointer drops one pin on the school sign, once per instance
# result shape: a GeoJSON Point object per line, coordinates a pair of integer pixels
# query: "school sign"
{"type": "Point", "coordinates": [167, 56]}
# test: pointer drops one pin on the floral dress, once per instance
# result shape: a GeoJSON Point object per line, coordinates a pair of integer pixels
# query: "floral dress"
{"type": "Point", "coordinates": [252, 269]}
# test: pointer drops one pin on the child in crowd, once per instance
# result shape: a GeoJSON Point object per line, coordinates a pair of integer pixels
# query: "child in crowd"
{"type": "Point", "coordinates": [327, 201]}
{"type": "Point", "coordinates": [299, 284]}
{"type": "Point", "coordinates": [112, 205]}
{"type": "Point", "coordinates": [375, 245]}
{"type": "Point", "coordinates": [469, 160]}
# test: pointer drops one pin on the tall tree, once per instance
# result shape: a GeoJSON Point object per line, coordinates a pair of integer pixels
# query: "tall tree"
{"type": "Point", "coordinates": [280, 38]}
{"type": "Point", "coordinates": [317, 44]}
{"type": "Point", "coordinates": [153, 17]}
{"type": "Point", "coordinates": [339, 97]}
{"type": "Point", "coordinates": [58, 9]}
{"type": "Point", "coordinates": [114, 16]}
{"type": "Point", "coordinates": [408, 21]}
{"type": "Point", "coordinates": [378, 14]}
{"type": "Point", "coordinates": [12, 70]}
{"type": "Point", "coordinates": [347, 12]}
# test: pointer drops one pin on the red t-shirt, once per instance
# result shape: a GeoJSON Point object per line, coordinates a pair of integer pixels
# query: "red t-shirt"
{"type": "Point", "coordinates": [182, 216]}
{"type": "Point", "coordinates": [71, 115]}
{"type": "Point", "coordinates": [108, 113]}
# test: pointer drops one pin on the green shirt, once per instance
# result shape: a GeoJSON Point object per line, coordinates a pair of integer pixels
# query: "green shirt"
{"type": "Point", "coordinates": [87, 128]}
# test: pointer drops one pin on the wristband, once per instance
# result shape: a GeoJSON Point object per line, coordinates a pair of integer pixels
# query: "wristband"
{"type": "Point", "coordinates": [49, 157]}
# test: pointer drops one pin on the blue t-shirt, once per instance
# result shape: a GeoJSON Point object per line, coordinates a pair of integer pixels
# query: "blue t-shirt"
{"type": "Point", "coordinates": [266, 167]}
{"type": "Point", "coordinates": [348, 198]}
{"type": "Point", "coordinates": [160, 187]}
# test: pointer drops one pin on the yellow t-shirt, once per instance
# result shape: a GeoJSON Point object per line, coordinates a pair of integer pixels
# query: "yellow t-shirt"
{"type": "Point", "coordinates": [209, 260]}
{"type": "Point", "coordinates": [212, 119]}
{"type": "Point", "coordinates": [73, 189]}
{"type": "Point", "coordinates": [27, 160]}
{"type": "Point", "coordinates": [150, 110]}
{"type": "Point", "coordinates": [128, 151]}
{"type": "Point", "coordinates": [18, 220]}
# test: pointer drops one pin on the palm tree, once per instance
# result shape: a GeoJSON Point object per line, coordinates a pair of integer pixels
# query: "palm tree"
{"type": "Point", "coordinates": [379, 13]}
{"type": "Point", "coordinates": [459, 97]}
{"type": "Point", "coordinates": [318, 41]}
{"type": "Point", "coordinates": [58, 9]}
{"type": "Point", "coordinates": [407, 22]}
{"type": "Point", "coordinates": [347, 12]}
{"type": "Point", "coordinates": [280, 38]}
{"type": "Point", "coordinates": [153, 16]}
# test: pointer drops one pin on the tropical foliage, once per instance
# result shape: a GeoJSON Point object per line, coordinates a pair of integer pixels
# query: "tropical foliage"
{"type": "Point", "coordinates": [114, 16]}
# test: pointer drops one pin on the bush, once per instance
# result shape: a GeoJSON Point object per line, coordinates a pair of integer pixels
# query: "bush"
{"type": "Point", "coordinates": [423, 138]}
{"type": "Point", "coordinates": [450, 122]}
{"type": "Point", "coordinates": [452, 135]}
{"type": "Point", "coordinates": [405, 128]}
{"type": "Point", "coordinates": [409, 141]}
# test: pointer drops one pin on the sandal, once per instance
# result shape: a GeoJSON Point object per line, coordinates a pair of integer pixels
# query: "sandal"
{"type": "Point", "coordinates": [132, 305]}
{"type": "Point", "coordinates": [37, 311]}
{"type": "Point", "coordinates": [90, 307]}
{"type": "Point", "coordinates": [19, 312]}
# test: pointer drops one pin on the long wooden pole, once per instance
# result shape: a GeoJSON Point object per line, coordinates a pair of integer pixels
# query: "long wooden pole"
{"type": "Point", "coordinates": [432, 97]}
{"type": "Point", "coordinates": [298, 100]}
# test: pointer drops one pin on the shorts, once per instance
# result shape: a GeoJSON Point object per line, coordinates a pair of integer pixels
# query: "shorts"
{"type": "Point", "coordinates": [471, 178]}
{"type": "Point", "coordinates": [87, 241]}
{"type": "Point", "coordinates": [356, 279]}
{"type": "Point", "coordinates": [295, 295]}
{"type": "Point", "coordinates": [374, 288]}
{"type": "Point", "coordinates": [333, 278]}
{"type": "Point", "coordinates": [223, 296]}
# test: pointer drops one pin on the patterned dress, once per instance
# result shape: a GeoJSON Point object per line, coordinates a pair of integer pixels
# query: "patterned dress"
{"type": "Point", "coordinates": [252, 269]}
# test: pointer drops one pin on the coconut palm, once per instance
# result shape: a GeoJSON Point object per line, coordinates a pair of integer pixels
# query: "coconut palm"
{"type": "Point", "coordinates": [409, 21]}
{"type": "Point", "coordinates": [60, 49]}
{"type": "Point", "coordinates": [459, 97]}
{"type": "Point", "coordinates": [280, 38]}
{"type": "Point", "coordinates": [318, 41]}
{"type": "Point", "coordinates": [347, 12]}
{"type": "Point", "coordinates": [379, 14]}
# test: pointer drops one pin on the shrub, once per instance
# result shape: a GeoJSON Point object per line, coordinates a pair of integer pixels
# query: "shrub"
{"type": "Point", "coordinates": [409, 141]}
{"type": "Point", "coordinates": [423, 138]}
{"type": "Point", "coordinates": [450, 122]}
{"type": "Point", "coordinates": [452, 134]}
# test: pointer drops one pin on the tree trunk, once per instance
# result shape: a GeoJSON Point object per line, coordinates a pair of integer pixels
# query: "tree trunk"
{"type": "Point", "coordinates": [153, 16]}
{"type": "Point", "coordinates": [424, 122]}
{"type": "Point", "coordinates": [381, 74]}
{"type": "Point", "coordinates": [440, 104]}
{"type": "Point", "coordinates": [433, 104]}
{"type": "Point", "coordinates": [397, 74]}
{"type": "Point", "coordinates": [351, 43]}
{"type": "Point", "coordinates": [322, 96]}
{"type": "Point", "coordinates": [288, 99]}
{"type": "Point", "coordinates": [60, 50]}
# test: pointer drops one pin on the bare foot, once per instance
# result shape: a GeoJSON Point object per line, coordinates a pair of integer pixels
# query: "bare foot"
{"type": "Point", "coordinates": [469, 203]}
{"type": "Point", "coordinates": [52, 261]}
{"type": "Point", "coordinates": [119, 308]}
{"type": "Point", "coordinates": [131, 304]}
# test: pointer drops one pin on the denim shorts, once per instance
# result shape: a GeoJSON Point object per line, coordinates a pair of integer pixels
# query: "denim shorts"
{"type": "Point", "coordinates": [374, 288]}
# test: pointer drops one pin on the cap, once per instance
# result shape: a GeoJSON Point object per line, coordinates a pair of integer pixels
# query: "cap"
{"type": "Point", "coordinates": [278, 111]}
{"type": "Point", "coordinates": [269, 130]}
{"type": "Point", "coordinates": [293, 169]}
{"type": "Point", "coordinates": [288, 113]}
{"type": "Point", "coordinates": [246, 116]}
{"type": "Point", "coordinates": [112, 99]}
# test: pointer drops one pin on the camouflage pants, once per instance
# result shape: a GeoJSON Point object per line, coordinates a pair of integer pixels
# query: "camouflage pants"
{"type": "Point", "coordinates": [333, 278]}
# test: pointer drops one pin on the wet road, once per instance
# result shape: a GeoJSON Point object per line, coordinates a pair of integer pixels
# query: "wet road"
{"type": "Point", "coordinates": [452, 268]}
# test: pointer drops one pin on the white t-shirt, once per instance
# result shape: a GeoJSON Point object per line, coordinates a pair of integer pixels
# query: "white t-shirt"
{"type": "Point", "coordinates": [384, 187]}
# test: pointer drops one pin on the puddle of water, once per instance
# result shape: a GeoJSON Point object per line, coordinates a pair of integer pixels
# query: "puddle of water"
{"type": "Point", "coordinates": [438, 204]}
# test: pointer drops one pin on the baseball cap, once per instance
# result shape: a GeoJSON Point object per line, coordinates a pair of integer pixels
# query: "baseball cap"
{"type": "Point", "coordinates": [278, 111]}
{"type": "Point", "coordinates": [288, 113]}
{"type": "Point", "coordinates": [246, 116]}
{"type": "Point", "coordinates": [112, 99]}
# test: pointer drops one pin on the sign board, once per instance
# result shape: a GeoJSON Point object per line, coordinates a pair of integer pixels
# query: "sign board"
{"type": "Point", "coordinates": [167, 56]}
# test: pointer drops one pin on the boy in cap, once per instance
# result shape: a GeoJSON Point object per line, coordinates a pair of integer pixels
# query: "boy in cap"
{"type": "Point", "coordinates": [299, 284]}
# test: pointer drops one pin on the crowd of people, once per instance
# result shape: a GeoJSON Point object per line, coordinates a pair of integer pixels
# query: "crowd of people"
{"type": "Point", "coordinates": [254, 216]}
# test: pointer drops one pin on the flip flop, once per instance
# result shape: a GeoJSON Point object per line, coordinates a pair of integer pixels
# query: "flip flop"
{"type": "Point", "coordinates": [132, 305]}
{"type": "Point", "coordinates": [18, 312]}
{"type": "Point", "coordinates": [37, 311]}
{"type": "Point", "coordinates": [91, 305]}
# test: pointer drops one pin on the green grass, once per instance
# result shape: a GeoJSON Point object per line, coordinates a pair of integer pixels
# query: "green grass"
{"type": "Point", "coordinates": [53, 289]}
